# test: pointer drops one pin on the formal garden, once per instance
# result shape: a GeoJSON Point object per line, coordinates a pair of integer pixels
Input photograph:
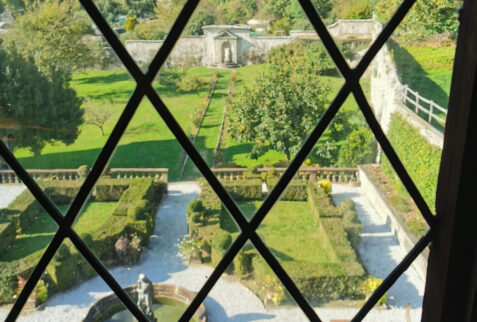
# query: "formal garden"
{"type": "Point", "coordinates": [315, 240]}
{"type": "Point", "coordinates": [116, 224]}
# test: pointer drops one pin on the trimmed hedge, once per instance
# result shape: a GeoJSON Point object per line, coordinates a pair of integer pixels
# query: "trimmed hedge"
{"type": "Point", "coordinates": [23, 210]}
{"type": "Point", "coordinates": [297, 190]}
{"type": "Point", "coordinates": [219, 245]}
{"type": "Point", "coordinates": [320, 204]}
{"type": "Point", "coordinates": [243, 262]}
{"type": "Point", "coordinates": [110, 189]}
{"type": "Point", "coordinates": [61, 192]}
{"type": "Point", "coordinates": [241, 190]}
{"type": "Point", "coordinates": [8, 232]}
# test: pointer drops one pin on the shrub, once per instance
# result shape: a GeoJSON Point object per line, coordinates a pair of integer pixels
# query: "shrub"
{"type": "Point", "coordinates": [416, 227]}
{"type": "Point", "coordinates": [243, 262]}
{"type": "Point", "coordinates": [110, 189]}
{"type": "Point", "coordinates": [25, 208]}
{"type": "Point", "coordinates": [64, 274]}
{"type": "Point", "coordinates": [370, 284]}
{"type": "Point", "coordinates": [61, 192]}
{"type": "Point", "coordinates": [244, 189]}
{"type": "Point", "coordinates": [209, 199]}
{"type": "Point", "coordinates": [7, 235]}
{"type": "Point", "coordinates": [320, 204]}
{"type": "Point", "coordinates": [139, 210]}
{"type": "Point", "coordinates": [358, 148]}
{"type": "Point", "coordinates": [195, 206]}
{"type": "Point", "coordinates": [41, 291]}
{"type": "Point", "coordinates": [196, 217]}
{"type": "Point", "coordinates": [272, 173]}
{"type": "Point", "coordinates": [326, 185]}
{"type": "Point", "coordinates": [297, 189]}
{"type": "Point", "coordinates": [221, 240]}
{"type": "Point", "coordinates": [62, 254]}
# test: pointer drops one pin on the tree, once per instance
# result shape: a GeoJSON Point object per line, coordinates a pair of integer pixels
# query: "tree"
{"type": "Point", "coordinates": [170, 77]}
{"type": "Point", "coordinates": [97, 113]}
{"type": "Point", "coordinates": [280, 108]}
{"type": "Point", "coordinates": [53, 35]}
{"type": "Point", "coordinates": [358, 148]}
{"type": "Point", "coordinates": [36, 109]}
{"type": "Point", "coordinates": [193, 83]}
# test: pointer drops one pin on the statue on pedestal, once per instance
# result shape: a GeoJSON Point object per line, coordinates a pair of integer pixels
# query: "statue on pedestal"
{"type": "Point", "coordinates": [145, 292]}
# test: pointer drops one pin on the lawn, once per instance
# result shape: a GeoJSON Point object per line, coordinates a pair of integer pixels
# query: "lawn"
{"type": "Point", "coordinates": [147, 141]}
{"type": "Point", "coordinates": [427, 70]}
{"type": "Point", "coordinates": [290, 232]}
{"type": "Point", "coordinates": [36, 238]}
{"type": "Point", "coordinates": [209, 131]}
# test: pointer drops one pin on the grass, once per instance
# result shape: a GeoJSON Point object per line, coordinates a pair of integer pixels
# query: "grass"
{"type": "Point", "coordinates": [427, 70]}
{"type": "Point", "coordinates": [39, 234]}
{"type": "Point", "coordinates": [209, 131]}
{"type": "Point", "coordinates": [290, 231]}
{"type": "Point", "coordinates": [147, 141]}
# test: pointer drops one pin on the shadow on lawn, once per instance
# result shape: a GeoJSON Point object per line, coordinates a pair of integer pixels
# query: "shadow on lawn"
{"type": "Point", "coordinates": [149, 154]}
{"type": "Point", "coordinates": [411, 73]}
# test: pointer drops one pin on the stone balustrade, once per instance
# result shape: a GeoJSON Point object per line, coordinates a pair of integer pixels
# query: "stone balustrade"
{"type": "Point", "coordinates": [336, 175]}
{"type": "Point", "coordinates": [9, 176]}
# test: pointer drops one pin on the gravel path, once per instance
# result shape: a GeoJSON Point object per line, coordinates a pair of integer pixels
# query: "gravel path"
{"type": "Point", "coordinates": [8, 193]}
{"type": "Point", "coordinates": [229, 300]}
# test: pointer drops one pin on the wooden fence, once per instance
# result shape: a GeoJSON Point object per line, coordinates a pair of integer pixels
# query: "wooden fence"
{"type": "Point", "coordinates": [421, 105]}
{"type": "Point", "coordinates": [336, 175]}
{"type": "Point", "coordinates": [9, 176]}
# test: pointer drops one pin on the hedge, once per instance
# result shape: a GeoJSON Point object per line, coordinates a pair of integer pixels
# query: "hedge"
{"type": "Point", "coordinates": [64, 274]}
{"type": "Point", "coordinates": [110, 189]}
{"type": "Point", "coordinates": [23, 209]}
{"type": "Point", "coordinates": [61, 192]}
{"type": "Point", "coordinates": [421, 159]}
{"type": "Point", "coordinates": [243, 262]}
{"type": "Point", "coordinates": [297, 190]}
{"type": "Point", "coordinates": [8, 232]}
{"type": "Point", "coordinates": [219, 245]}
{"type": "Point", "coordinates": [320, 204]}
{"type": "Point", "coordinates": [208, 197]}
{"type": "Point", "coordinates": [241, 190]}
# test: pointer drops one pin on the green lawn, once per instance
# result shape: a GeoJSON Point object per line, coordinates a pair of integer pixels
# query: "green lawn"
{"type": "Point", "coordinates": [290, 232]}
{"type": "Point", "coordinates": [427, 70]}
{"type": "Point", "coordinates": [147, 141]}
{"type": "Point", "coordinates": [36, 238]}
{"type": "Point", "coordinates": [209, 131]}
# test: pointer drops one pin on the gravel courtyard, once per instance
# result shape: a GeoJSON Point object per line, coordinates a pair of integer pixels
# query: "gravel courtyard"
{"type": "Point", "coordinates": [229, 300]}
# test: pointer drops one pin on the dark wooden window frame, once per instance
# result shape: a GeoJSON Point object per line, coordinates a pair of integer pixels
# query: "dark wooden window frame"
{"type": "Point", "coordinates": [451, 281]}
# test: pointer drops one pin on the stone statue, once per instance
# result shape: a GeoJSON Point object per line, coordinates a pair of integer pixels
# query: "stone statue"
{"type": "Point", "coordinates": [227, 55]}
{"type": "Point", "coordinates": [144, 296]}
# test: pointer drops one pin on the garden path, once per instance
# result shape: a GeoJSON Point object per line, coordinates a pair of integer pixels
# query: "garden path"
{"type": "Point", "coordinates": [230, 300]}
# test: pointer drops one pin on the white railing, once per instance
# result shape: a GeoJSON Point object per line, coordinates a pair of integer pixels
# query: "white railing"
{"type": "Point", "coordinates": [423, 105]}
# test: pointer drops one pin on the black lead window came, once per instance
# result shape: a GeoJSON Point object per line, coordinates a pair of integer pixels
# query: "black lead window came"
{"type": "Point", "coordinates": [451, 260]}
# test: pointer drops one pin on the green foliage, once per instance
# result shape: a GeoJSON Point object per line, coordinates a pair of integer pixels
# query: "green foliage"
{"type": "Point", "coordinates": [219, 244]}
{"type": "Point", "coordinates": [195, 206]}
{"type": "Point", "coordinates": [110, 189]}
{"type": "Point", "coordinates": [320, 204]}
{"type": "Point", "coordinates": [355, 9]}
{"type": "Point", "coordinates": [54, 35]}
{"type": "Point", "coordinates": [29, 118]}
{"type": "Point", "coordinates": [7, 235]}
{"type": "Point", "coordinates": [97, 113]}
{"type": "Point", "coordinates": [64, 274]}
{"type": "Point", "coordinates": [279, 109]}
{"type": "Point", "coordinates": [193, 83]}
{"type": "Point", "coordinates": [358, 148]}
{"type": "Point", "coordinates": [427, 17]}
{"type": "Point", "coordinates": [131, 23]}
{"type": "Point", "coordinates": [416, 227]}
{"type": "Point", "coordinates": [61, 192]}
{"type": "Point", "coordinates": [370, 284]}
{"type": "Point", "coordinates": [41, 291]}
{"type": "Point", "coordinates": [250, 189]}
{"type": "Point", "coordinates": [421, 159]}
{"type": "Point", "coordinates": [170, 77]}
{"type": "Point", "coordinates": [243, 262]}
{"type": "Point", "coordinates": [297, 189]}
{"type": "Point", "coordinates": [149, 30]}
{"type": "Point", "coordinates": [83, 171]}
{"type": "Point", "coordinates": [325, 184]}
{"type": "Point", "coordinates": [23, 210]}
{"type": "Point", "coordinates": [199, 20]}
{"type": "Point", "coordinates": [140, 210]}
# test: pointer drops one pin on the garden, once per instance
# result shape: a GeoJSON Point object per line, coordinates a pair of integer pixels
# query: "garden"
{"type": "Point", "coordinates": [115, 224]}
{"type": "Point", "coordinates": [314, 240]}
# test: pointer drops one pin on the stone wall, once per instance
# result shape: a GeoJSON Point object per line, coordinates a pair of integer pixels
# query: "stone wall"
{"type": "Point", "coordinates": [387, 93]}
{"type": "Point", "coordinates": [385, 209]}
